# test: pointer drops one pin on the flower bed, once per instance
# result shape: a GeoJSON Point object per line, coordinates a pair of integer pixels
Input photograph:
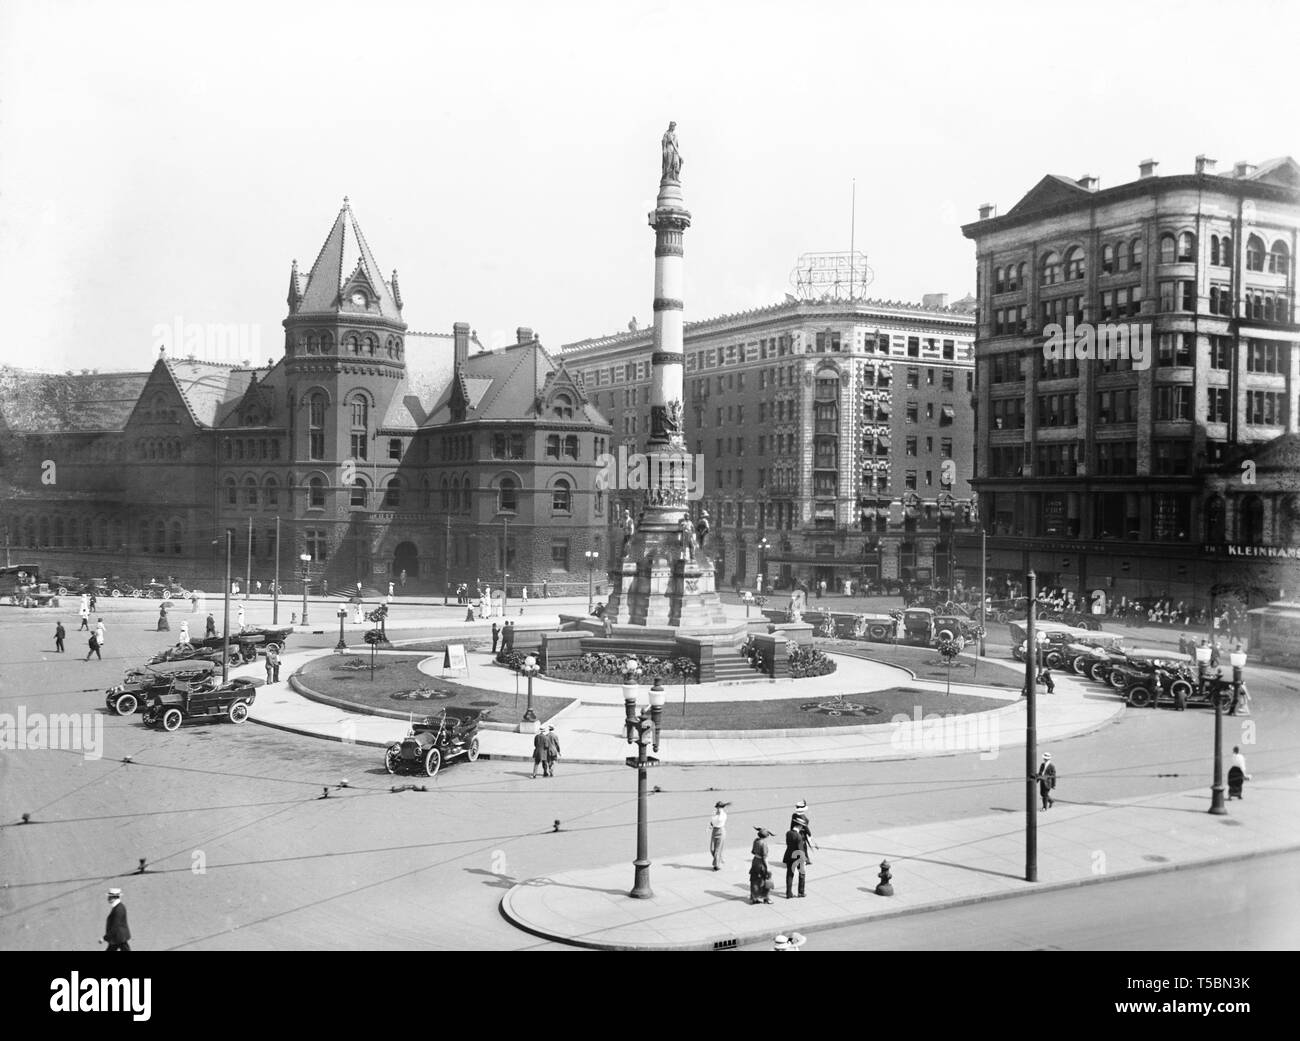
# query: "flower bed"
{"type": "Point", "coordinates": [596, 667]}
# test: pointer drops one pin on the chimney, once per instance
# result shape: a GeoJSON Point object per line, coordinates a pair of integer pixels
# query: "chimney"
{"type": "Point", "coordinates": [1205, 165]}
{"type": "Point", "coordinates": [934, 300]}
{"type": "Point", "coordinates": [523, 335]}
{"type": "Point", "coordinates": [1147, 168]}
{"type": "Point", "coordinates": [460, 334]}
{"type": "Point", "coordinates": [1089, 183]}
{"type": "Point", "coordinates": [988, 210]}
{"type": "Point", "coordinates": [1243, 169]}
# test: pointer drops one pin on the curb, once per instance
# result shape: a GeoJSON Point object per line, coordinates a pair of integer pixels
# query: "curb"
{"type": "Point", "coordinates": [727, 942]}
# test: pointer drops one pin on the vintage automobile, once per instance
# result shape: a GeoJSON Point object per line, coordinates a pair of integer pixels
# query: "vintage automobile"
{"type": "Point", "coordinates": [1052, 637]}
{"type": "Point", "coordinates": [436, 740]}
{"type": "Point", "coordinates": [955, 627]}
{"type": "Point", "coordinates": [119, 586]}
{"type": "Point", "coordinates": [1137, 679]}
{"type": "Point", "coordinates": [140, 684]}
{"type": "Point", "coordinates": [918, 626]}
{"type": "Point", "coordinates": [202, 650]}
{"type": "Point", "coordinates": [182, 701]}
{"type": "Point", "coordinates": [164, 591]}
{"type": "Point", "coordinates": [1082, 654]}
{"type": "Point", "coordinates": [244, 644]}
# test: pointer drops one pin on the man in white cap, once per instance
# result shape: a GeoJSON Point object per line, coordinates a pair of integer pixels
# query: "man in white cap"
{"type": "Point", "coordinates": [799, 819]}
{"type": "Point", "coordinates": [116, 932]}
{"type": "Point", "coordinates": [1046, 778]}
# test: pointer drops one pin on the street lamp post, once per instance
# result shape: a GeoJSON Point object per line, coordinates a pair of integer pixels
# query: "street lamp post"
{"type": "Point", "coordinates": [642, 728]}
{"type": "Point", "coordinates": [763, 547]}
{"type": "Point", "coordinates": [530, 668]}
{"type": "Point", "coordinates": [341, 645]}
{"type": "Point", "coordinates": [306, 562]}
{"type": "Point", "coordinates": [1217, 806]}
{"type": "Point", "coordinates": [591, 555]}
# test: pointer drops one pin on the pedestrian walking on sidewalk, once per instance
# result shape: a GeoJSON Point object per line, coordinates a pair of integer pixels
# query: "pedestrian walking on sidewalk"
{"type": "Point", "coordinates": [163, 625]}
{"type": "Point", "coordinates": [60, 634]}
{"type": "Point", "coordinates": [117, 934]}
{"type": "Point", "coordinates": [795, 859]}
{"type": "Point", "coordinates": [718, 834]}
{"type": "Point", "coordinates": [496, 635]}
{"type": "Point", "coordinates": [1237, 776]}
{"type": "Point", "coordinates": [539, 753]}
{"type": "Point", "coordinates": [94, 648]}
{"type": "Point", "coordinates": [99, 632]}
{"type": "Point", "coordinates": [1045, 678]}
{"type": "Point", "coordinates": [240, 617]}
{"type": "Point", "coordinates": [211, 629]}
{"type": "Point", "coordinates": [760, 875]}
{"type": "Point", "coordinates": [552, 750]}
{"type": "Point", "coordinates": [1046, 778]}
{"type": "Point", "coordinates": [85, 615]}
{"type": "Point", "coordinates": [799, 819]}
{"type": "Point", "coordinates": [272, 665]}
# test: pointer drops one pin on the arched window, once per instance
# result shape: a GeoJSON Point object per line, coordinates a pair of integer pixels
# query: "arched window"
{"type": "Point", "coordinates": [455, 495]}
{"type": "Point", "coordinates": [360, 493]}
{"type": "Point", "coordinates": [1214, 250]}
{"type": "Point", "coordinates": [272, 492]}
{"type": "Point", "coordinates": [1074, 266]}
{"type": "Point", "coordinates": [562, 406]}
{"type": "Point", "coordinates": [561, 497]}
{"type": "Point", "coordinates": [360, 412]}
{"type": "Point", "coordinates": [313, 345]}
{"type": "Point", "coordinates": [232, 492]}
{"type": "Point", "coordinates": [316, 493]}
{"type": "Point", "coordinates": [1186, 247]}
{"type": "Point", "coordinates": [370, 346]}
{"type": "Point", "coordinates": [1279, 258]}
{"type": "Point", "coordinates": [1168, 248]}
{"type": "Point", "coordinates": [1254, 253]}
{"type": "Point", "coordinates": [466, 500]}
{"type": "Point", "coordinates": [1225, 251]}
{"type": "Point", "coordinates": [1020, 275]}
{"type": "Point", "coordinates": [1050, 269]}
{"type": "Point", "coordinates": [350, 344]}
{"type": "Point", "coordinates": [1136, 254]}
{"type": "Point", "coordinates": [571, 446]}
{"type": "Point", "coordinates": [393, 493]}
{"type": "Point", "coordinates": [442, 490]}
{"type": "Point", "coordinates": [507, 496]}
{"type": "Point", "coordinates": [159, 537]}
{"type": "Point", "coordinates": [316, 425]}
{"type": "Point", "coordinates": [1250, 523]}
{"type": "Point", "coordinates": [250, 491]}
{"type": "Point", "coordinates": [326, 342]}
{"type": "Point", "coordinates": [427, 485]}
{"type": "Point", "coordinates": [998, 284]}
{"type": "Point", "coordinates": [1107, 259]}
{"type": "Point", "coordinates": [176, 538]}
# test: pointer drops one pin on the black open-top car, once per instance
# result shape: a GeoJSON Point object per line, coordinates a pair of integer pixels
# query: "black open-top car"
{"type": "Point", "coordinates": [140, 684]}
{"type": "Point", "coordinates": [183, 701]}
{"type": "Point", "coordinates": [450, 735]}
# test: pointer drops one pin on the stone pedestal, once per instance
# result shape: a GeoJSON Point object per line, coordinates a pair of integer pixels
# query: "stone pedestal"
{"type": "Point", "coordinates": [660, 583]}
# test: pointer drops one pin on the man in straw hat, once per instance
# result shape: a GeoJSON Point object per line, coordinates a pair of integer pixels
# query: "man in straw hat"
{"type": "Point", "coordinates": [116, 932]}
{"type": "Point", "coordinates": [1046, 778]}
{"type": "Point", "coordinates": [718, 833]}
{"type": "Point", "coordinates": [760, 875]}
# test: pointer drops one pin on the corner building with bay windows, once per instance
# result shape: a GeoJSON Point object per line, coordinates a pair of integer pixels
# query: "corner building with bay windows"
{"type": "Point", "coordinates": [837, 431]}
{"type": "Point", "coordinates": [1102, 475]}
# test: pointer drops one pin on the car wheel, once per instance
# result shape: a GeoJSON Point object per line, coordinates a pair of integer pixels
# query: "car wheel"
{"type": "Point", "coordinates": [1186, 689]}
{"type": "Point", "coordinates": [63, 590]}
{"type": "Point", "coordinates": [472, 753]}
{"type": "Point", "coordinates": [171, 719]}
{"type": "Point", "coordinates": [149, 717]}
{"type": "Point", "coordinates": [879, 632]}
{"type": "Point", "coordinates": [432, 761]}
{"type": "Point", "coordinates": [392, 756]}
{"type": "Point", "coordinates": [1139, 697]}
{"type": "Point", "coordinates": [1079, 666]}
{"type": "Point", "coordinates": [1116, 681]}
{"type": "Point", "coordinates": [238, 712]}
{"type": "Point", "coordinates": [1094, 675]}
{"type": "Point", "coordinates": [1000, 617]}
{"type": "Point", "coordinates": [166, 594]}
{"type": "Point", "coordinates": [125, 704]}
{"type": "Point", "coordinates": [116, 592]}
{"type": "Point", "coordinates": [1052, 659]}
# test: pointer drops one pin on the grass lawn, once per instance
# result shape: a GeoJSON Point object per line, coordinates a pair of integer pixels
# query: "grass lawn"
{"type": "Point", "coordinates": [397, 677]}
{"type": "Point", "coordinates": [852, 710]}
{"type": "Point", "coordinates": [928, 665]}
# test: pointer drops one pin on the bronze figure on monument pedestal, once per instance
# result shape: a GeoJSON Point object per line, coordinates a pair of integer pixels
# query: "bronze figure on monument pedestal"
{"type": "Point", "coordinates": [672, 170]}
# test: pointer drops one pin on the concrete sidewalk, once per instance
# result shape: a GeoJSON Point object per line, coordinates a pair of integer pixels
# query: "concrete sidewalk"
{"type": "Point", "coordinates": [592, 729]}
{"type": "Point", "coordinates": [934, 866]}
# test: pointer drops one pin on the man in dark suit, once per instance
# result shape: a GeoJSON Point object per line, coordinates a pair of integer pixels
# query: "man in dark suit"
{"type": "Point", "coordinates": [496, 635]}
{"type": "Point", "coordinates": [116, 932]}
{"type": "Point", "coordinates": [541, 751]}
{"type": "Point", "coordinates": [60, 634]}
{"type": "Point", "coordinates": [1046, 778]}
{"type": "Point", "coordinates": [795, 859]}
{"type": "Point", "coordinates": [552, 750]}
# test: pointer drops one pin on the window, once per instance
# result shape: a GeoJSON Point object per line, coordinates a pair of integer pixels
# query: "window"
{"type": "Point", "coordinates": [571, 446]}
{"type": "Point", "coordinates": [1267, 356]}
{"type": "Point", "coordinates": [250, 491]}
{"type": "Point", "coordinates": [358, 495]}
{"type": "Point", "coordinates": [360, 412]}
{"type": "Point", "coordinates": [909, 480]}
{"type": "Point", "coordinates": [913, 346]}
{"type": "Point", "coordinates": [1186, 247]}
{"type": "Point", "coordinates": [1264, 408]}
{"type": "Point", "coordinates": [232, 492]}
{"type": "Point", "coordinates": [1107, 259]}
{"type": "Point", "coordinates": [1117, 406]}
{"type": "Point", "coordinates": [553, 444]}
{"type": "Point", "coordinates": [945, 448]}
{"type": "Point", "coordinates": [1074, 266]}
{"type": "Point", "coordinates": [359, 446]}
{"type": "Point", "coordinates": [1168, 248]}
{"type": "Point", "coordinates": [929, 377]}
{"type": "Point", "coordinates": [946, 381]}
{"type": "Point", "coordinates": [1117, 458]}
{"type": "Point", "coordinates": [1175, 349]}
{"type": "Point", "coordinates": [561, 497]}
{"type": "Point", "coordinates": [913, 378]}
{"type": "Point", "coordinates": [562, 406]}
{"type": "Point", "coordinates": [394, 448]}
{"type": "Point", "coordinates": [559, 554]}
{"type": "Point", "coordinates": [1254, 253]}
{"type": "Point", "coordinates": [316, 426]}
{"type": "Point", "coordinates": [1050, 269]}
{"type": "Point", "coordinates": [911, 446]}
{"type": "Point", "coordinates": [315, 545]}
{"type": "Point", "coordinates": [1220, 352]}
{"type": "Point", "coordinates": [1217, 411]}
{"type": "Point", "coordinates": [507, 495]}
{"type": "Point", "coordinates": [393, 493]}
{"type": "Point", "coordinates": [1136, 253]}
{"type": "Point", "coordinates": [1174, 403]}
{"type": "Point", "coordinates": [912, 411]}
{"type": "Point", "coordinates": [1279, 258]}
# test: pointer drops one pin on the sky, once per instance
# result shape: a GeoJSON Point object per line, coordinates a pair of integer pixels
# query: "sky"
{"type": "Point", "coordinates": [162, 163]}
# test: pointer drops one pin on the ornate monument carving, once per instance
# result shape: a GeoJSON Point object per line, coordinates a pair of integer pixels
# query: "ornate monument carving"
{"type": "Point", "coordinates": [672, 156]}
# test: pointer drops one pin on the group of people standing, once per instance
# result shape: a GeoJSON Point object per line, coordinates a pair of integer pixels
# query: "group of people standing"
{"type": "Point", "coordinates": [798, 844]}
{"type": "Point", "coordinates": [546, 749]}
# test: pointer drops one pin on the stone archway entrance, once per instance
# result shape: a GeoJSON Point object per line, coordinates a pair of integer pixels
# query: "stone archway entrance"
{"type": "Point", "coordinates": [405, 558]}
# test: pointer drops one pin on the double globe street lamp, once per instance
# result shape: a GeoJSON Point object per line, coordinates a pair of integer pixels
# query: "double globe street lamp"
{"type": "Point", "coordinates": [642, 729]}
{"type": "Point", "coordinates": [529, 668]}
{"type": "Point", "coordinates": [305, 558]}
{"type": "Point", "coordinates": [592, 556]}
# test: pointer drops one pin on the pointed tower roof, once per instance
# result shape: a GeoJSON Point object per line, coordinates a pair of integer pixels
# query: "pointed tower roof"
{"type": "Point", "coordinates": [345, 260]}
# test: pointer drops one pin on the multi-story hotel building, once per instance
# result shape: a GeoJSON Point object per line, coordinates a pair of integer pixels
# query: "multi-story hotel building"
{"type": "Point", "coordinates": [833, 438]}
{"type": "Point", "coordinates": [1155, 475]}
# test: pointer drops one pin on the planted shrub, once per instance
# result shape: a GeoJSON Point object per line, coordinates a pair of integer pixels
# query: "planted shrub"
{"type": "Point", "coordinates": [809, 661]}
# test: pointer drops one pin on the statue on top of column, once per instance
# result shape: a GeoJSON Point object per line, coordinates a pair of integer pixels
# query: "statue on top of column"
{"type": "Point", "coordinates": [672, 168]}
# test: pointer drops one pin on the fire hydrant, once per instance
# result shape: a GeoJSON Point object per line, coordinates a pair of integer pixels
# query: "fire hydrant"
{"type": "Point", "coordinates": [885, 889]}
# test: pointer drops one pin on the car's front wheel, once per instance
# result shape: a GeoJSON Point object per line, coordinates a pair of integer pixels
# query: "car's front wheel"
{"type": "Point", "coordinates": [472, 753]}
{"type": "Point", "coordinates": [432, 762]}
{"type": "Point", "coordinates": [116, 592]}
{"type": "Point", "coordinates": [171, 719]}
{"type": "Point", "coordinates": [392, 756]}
{"type": "Point", "coordinates": [1140, 697]}
{"type": "Point", "coordinates": [125, 704]}
{"type": "Point", "coordinates": [238, 712]}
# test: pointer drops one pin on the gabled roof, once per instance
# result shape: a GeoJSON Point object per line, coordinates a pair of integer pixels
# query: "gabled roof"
{"type": "Point", "coordinates": [344, 260]}
{"type": "Point", "coordinates": [1282, 170]}
{"type": "Point", "coordinates": [1051, 191]}
{"type": "Point", "coordinates": [48, 403]}
{"type": "Point", "coordinates": [208, 388]}
{"type": "Point", "coordinates": [429, 360]}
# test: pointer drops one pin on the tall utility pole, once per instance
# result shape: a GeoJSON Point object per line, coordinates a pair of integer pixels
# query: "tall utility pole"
{"type": "Point", "coordinates": [505, 563]}
{"type": "Point", "coordinates": [248, 570]}
{"type": "Point", "coordinates": [225, 628]}
{"type": "Point", "coordinates": [446, 564]}
{"type": "Point", "coordinates": [1031, 735]}
{"type": "Point", "coordinates": [984, 582]}
{"type": "Point", "coordinates": [275, 588]}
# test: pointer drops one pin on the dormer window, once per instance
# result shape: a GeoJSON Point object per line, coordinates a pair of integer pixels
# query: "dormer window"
{"type": "Point", "coordinates": [562, 406]}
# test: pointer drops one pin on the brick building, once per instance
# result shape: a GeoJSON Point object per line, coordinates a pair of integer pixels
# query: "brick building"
{"type": "Point", "coordinates": [373, 449]}
{"type": "Point", "coordinates": [838, 431]}
{"type": "Point", "coordinates": [1155, 477]}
